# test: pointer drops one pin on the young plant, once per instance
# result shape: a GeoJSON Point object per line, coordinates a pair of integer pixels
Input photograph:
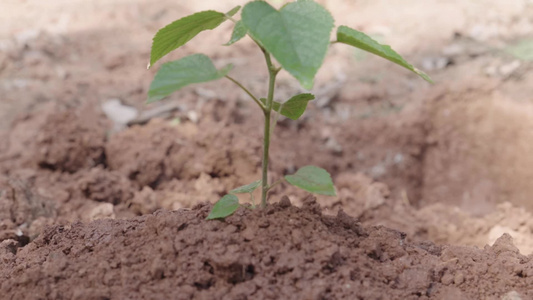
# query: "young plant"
{"type": "Point", "coordinates": [297, 36]}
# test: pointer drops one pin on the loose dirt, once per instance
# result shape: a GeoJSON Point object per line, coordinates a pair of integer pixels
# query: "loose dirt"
{"type": "Point", "coordinates": [281, 252]}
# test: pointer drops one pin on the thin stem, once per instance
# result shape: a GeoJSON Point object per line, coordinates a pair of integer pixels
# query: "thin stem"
{"type": "Point", "coordinates": [253, 200]}
{"type": "Point", "coordinates": [275, 183]}
{"type": "Point", "coordinates": [261, 105]}
{"type": "Point", "coordinates": [272, 72]}
{"type": "Point", "coordinates": [266, 144]}
{"type": "Point", "coordinates": [276, 119]}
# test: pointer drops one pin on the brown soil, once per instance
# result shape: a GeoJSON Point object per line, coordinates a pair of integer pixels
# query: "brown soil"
{"type": "Point", "coordinates": [436, 178]}
{"type": "Point", "coordinates": [283, 252]}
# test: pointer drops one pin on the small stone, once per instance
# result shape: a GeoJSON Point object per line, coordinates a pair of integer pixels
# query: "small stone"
{"type": "Point", "coordinates": [507, 69]}
{"type": "Point", "coordinates": [193, 116]}
{"type": "Point", "coordinates": [102, 211]}
{"type": "Point", "coordinates": [435, 63]}
{"type": "Point", "coordinates": [512, 295]}
{"type": "Point", "coordinates": [458, 278]}
{"type": "Point", "coordinates": [119, 113]}
{"type": "Point", "coordinates": [447, 279]}
{"type": "Point", "coordinates": [333, 146]}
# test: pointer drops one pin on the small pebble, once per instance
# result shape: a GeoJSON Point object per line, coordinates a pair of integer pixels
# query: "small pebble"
{"type": "Point", "coordinates": [459, 278]}
{"type": "Point", "coordinates": [447, 279]}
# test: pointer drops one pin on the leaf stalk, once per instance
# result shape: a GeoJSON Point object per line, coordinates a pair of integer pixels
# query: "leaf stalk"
{"type": "Point", "coordinates": [261, 105]}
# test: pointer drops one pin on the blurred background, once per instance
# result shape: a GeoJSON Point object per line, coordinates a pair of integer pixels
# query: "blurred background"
{"type": "Point", "coordinates": [452, 162]}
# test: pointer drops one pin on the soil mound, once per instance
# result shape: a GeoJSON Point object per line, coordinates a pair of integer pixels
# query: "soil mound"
{"type": "Point", "coordinates": [71, 141]}
{"type": "Point", "coordinates": [282, 252]}
{"type": "Point", "coordinates": [159, 152]}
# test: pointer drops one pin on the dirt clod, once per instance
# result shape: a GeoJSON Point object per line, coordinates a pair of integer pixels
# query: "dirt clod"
{"type": "Point", "coordinates": [70, 141]}
{"type": "Point", "coordinates": [104, 186]}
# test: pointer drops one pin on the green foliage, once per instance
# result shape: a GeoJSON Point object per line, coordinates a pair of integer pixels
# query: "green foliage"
{"type": "Point", "coordinates": [233, 11]}
{"type": "Point", "coordinates": [246, 189]}
{"type": "Point", "coordinates": [178, 33]}
{"type": "Point", "coordinates": [294, 107]}
{"type": "Point", "coordinates": [297, 36]}
{"type": "Point", "coordinates": [224, 207]}
{"type": "Point", "coordinates": [174, 75]}
{"type": "Point", "coordinates": [239, 31]}
{"type": "Point", "coordinates": [362, 41]}
{"type": "Point", "coordinates": [312, 179]}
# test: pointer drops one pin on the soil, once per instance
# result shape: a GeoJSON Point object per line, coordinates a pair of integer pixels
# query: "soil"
{"type": "Point", "coordinates": [433, 182]}
{"type": "Point", "coordinates": [281, 252]}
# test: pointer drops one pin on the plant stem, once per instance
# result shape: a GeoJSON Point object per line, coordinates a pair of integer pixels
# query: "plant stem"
{"type": "Point", "coordinates": [266, 144]}
{"type": "Point", "coordinates": [272, 72]}
{"type": "Point", "coordinates": [247, 92]}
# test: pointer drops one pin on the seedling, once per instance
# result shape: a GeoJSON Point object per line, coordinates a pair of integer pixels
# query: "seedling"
{"type": "Point", "coordinates": [297, 36]}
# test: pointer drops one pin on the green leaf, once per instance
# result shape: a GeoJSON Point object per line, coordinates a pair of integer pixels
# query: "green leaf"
{"type": "Point", "coordinates": [246, 189]}
{"type": "Point", "coordinates": [362, 41]}
{"type": "Point", "coordinates": [313, 179]}
{"type": "Point", "coordinates": [174, 75]}
{"type": "Point", "coordinates": [179, 32]}
{"type": "Point", "coordinates": [239, 31]}
{"type": "Point", "coordinates": [224, 207]}
{"type": "Point", "coordinates": [294, 107]}
{"type": "Point", "coordinates": [233, 11]}
{"type": "Point", "coordinates": [297, 35]}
